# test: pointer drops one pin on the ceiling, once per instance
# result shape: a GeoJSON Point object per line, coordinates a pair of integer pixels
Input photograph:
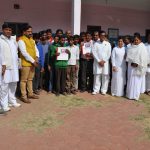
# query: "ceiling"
{"type": "Point", "coordinates": [131, 4]}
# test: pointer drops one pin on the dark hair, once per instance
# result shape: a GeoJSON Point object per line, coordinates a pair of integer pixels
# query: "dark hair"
{"type": "Point", "coordinates": [88, 33]}
{"type": "Point", "coordinates": [59, 30]}
{"type": "Point", "coordinates": [102, 32]}
{"type": "Point", "coordinates": [137, 35]}
{"type": "Point", "coordinates": [56, 36]}
{"type": "Point", "coordinates": [76, 36]}
{"type": "Point", "coordinates": [6, 25]}
{"type": "Point", "coordinates": [70, 38]}
{"type": "Point", "coordinates": [61, 37]}
{"type": "Point", "coordinates": [120, 38]}
{"type": "Point", "coordinates": [82, 33]}
{"type": "Point", "coordinates": [128, 37]}
{"type": "Point", "coordinates": [49, 31]}
{"type": "Point", "coordinates": [41, 33]}
{"type": "Point", "coordinates": [26, 27]}
{"type": "Point", "coordinates": [36, 36]}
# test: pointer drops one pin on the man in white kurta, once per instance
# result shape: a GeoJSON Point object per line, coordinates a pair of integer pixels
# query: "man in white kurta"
{"type": "Point", "coordinates": [118, 71]}
{"type": "Point", "coordinates": [148, 68]}
{"type": "Point", "coordinates": [9, 76]}
{"type": "Point", "coordinates": [101, 53]}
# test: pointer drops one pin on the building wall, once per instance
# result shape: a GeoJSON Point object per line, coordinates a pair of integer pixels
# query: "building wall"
{"type": "Point", "coordinates": [126, 20]}
{"type": "Point", "coordinates": [51, 14]}
{"type": "Point", "coordinates": [57, 14]}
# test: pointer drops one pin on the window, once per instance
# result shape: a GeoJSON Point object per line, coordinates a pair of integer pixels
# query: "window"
{"type": "Point", "coordinates": [113, 33]}
{"type": "Point", "coordinates": [92, 29]}
{"type": "Point", "coordinates": [16, 27]}
{"type": "Point", "coordinates": [147, 32]}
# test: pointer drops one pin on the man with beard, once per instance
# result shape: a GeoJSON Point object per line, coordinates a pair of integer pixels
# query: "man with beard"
{"type": "Point", "coordinates": [29, 60]}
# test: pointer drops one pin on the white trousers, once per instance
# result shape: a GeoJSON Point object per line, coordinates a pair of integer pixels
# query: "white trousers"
{"type": "Point", "coordinates": [100, 82]}
{"type": "Point", "coordinates": [7, 94]}
{"type": "Point", "coordinates": [148, 81]}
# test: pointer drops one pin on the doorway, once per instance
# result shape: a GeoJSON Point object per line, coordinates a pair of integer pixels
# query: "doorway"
{"type": "Point", "coordinates": [16, 27]}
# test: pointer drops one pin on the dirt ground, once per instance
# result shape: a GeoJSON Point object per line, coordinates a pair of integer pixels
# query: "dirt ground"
{"type": "Point", "coordinates": [81, 122]}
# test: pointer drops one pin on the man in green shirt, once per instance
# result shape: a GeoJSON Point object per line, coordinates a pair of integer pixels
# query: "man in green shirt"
{"type": "Point", "coordinates": [60, 67]}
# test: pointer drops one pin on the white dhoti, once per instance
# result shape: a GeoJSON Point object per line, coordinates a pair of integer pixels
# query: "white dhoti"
{"type": "Point", "coordinates": [100, 81]}
{"type": "Point", "coordinates": [8, 88]}
{"type": "Point", "coordinates": [134, 84]}
{"type": "Point", "coordinates": [118, 82]}
{"type": "Point", "coordinates": [7, 94]}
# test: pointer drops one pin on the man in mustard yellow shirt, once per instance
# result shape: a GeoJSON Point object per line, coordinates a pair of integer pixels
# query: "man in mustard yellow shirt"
{"type": "Point", "coordinates": [29, 59]}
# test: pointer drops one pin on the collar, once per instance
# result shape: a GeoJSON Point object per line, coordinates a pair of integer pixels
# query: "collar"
{"type": "Point", "coordinates": [72, 45]}
{"type": "Point", "coordinates": [5, 38]}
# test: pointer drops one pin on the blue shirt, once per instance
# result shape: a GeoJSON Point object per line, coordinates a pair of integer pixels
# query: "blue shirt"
{"type": "Point", "coordinates": [43, 51]}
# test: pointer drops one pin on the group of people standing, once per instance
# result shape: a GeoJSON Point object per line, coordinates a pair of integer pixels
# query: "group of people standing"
{"type": "Point", "coordinates": [66, 63]}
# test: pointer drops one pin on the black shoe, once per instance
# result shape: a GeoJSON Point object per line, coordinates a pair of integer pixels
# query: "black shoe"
{"type": "Point", "coordinates": [54, 92]}
{"type": "Point", "coordinates": [57, 94]}
{"type": "Point", "coordinates": [82, 91]}
{"type": "Point", "coordinates": [74, 92]}
{"type": "Point", "coordinates": [89, 91]}
{"type": "Point", "coordinates": [64, 93]}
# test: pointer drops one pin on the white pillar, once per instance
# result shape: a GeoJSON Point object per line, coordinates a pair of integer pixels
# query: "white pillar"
{"type": "Point", "coordinates": [76, 16]}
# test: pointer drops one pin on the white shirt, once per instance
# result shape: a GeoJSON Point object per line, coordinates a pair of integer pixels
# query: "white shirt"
{"type": "Point", "coordinates": [101, 51]}
{"type": "Point", "coordinates": [11, 74]}
{"type": "Point", "coordinates": [74, 50]}
{"type": "Point", "coordinates": [127, 47]}
{"type": "Point", "coordinates": [22, 48]}
{"type": "Point", "coordinates": [118, 57]}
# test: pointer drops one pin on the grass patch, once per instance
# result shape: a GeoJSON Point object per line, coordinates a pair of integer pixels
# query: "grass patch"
{"type": "Point", "coordinates": [146, 125]}
{"type": "Point", "coordinates": [145, 99]}
{"type": "Point", "coordinates": [139, 117]}
{"type": "Point", "coordinates": [147, 131]}
{"type": "Point", "coordinates": [74, 101]}
{"type": "Point", "coordinates": [39, 123]}
{"type": "Point", "coordinates": [144, 117]}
